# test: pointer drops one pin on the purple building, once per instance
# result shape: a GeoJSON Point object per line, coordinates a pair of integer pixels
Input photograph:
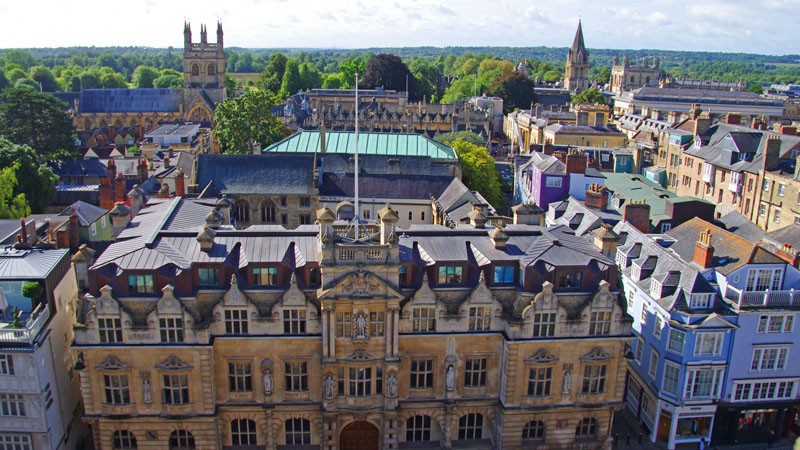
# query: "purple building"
{"type": "Point", "coordinates": [541, 180]}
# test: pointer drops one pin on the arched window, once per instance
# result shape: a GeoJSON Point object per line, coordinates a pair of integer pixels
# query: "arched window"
{"type": "Point", "coordinates": [470, 427]}
{"type": "Point", "coordinates": [181, 440]}
{"type": "Point", "coordinates": [267, 211]}
{"type": "Point", "coordinates": [211, 70]}
{"type": "Point", "coordinates": [242, 211]}
{"type": "Point", "coordinates": [195, 70]}
{"type": "Point", "coordinates": [123, 440]}
{"type": "Point", "coordinates": [586, 427]}
{"type": "Point", "coordinates": [418, 429]}
{"type": "Point", "coordinates": [298, 432]}
{"type": "Point", "coordinates": [533, 430]}
{"type": "Point", "coordinates": [243, 432]}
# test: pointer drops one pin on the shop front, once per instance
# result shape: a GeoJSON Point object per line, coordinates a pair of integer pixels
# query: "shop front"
{"type": "Point", "coordinates": [756, 423]}
{"type": "Point", "coordinates": [684, 425]}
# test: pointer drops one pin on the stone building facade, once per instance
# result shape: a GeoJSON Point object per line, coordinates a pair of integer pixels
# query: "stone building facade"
{"type": "Point", "coordinates": [329, 338]}
{"type": "Point", "coordinates": [628, 76]}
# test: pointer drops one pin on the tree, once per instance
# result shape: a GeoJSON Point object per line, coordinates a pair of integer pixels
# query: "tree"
{"type": "Point", "coordinates": [32, 290]}
{"type": "Point", "coordinates": [310, 78]}
{"type": "Point", "coordinates": [36, 119]}
{"type": "Point", "coordinates": [755, 88]}
{"type": "Point", "coordinates": [12, 206]}
{"type": "Point", "coordinates": [389, 72]}
{"type": "Point", "coordinates": [479, 173]}
{"type": "Point", "coordinates": [348, 70]}
{"type": "Point", "coordinates": [143, 76]}
{"type": "Point", "coordinates": [113, 80]}
{"type": "Point", "coordinates": [515, 89]}
{"type": "Point", "coordinates": [272, 76]}
{"type": "Point", "coordinates": [15, 74]}
{"type": "Point", "coordinates": [32, 178]}
{"type": "Point", "coordinates": [291, 82]}
{"type": "Point", "coordinates": [589, 96]}
{"type": "Point", "coordinates": [427, 76]}
{"type": "Point", "coordinates": [332, 81]}
{"type": "Point", "coordinates": [44, 77]}
{"type": "Point", "coordinates": [605, 76]}
{"type": "Point", "coordinates": [240, 122]}
{"type": "Point", "coordinates": [451, 138]}
{"type": "Point", "coordinates": [169, 78]}
{"type": "Point", "coordinates": [3, 81]}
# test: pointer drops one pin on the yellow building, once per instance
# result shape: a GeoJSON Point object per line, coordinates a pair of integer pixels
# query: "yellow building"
{"type": "Point", "coordinates": [330, 337]}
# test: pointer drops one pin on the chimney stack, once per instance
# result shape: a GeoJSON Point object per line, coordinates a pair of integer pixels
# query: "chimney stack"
{"type": "Point", "coordinates": [596, 197]}
{"type": "Point", "coordinates": [528, 214]}
{"type": "Point", "coordinates": [772, 152]}
{"type": "Point", "coordinates": [106, 194]}
{"type": "Point", "coordinates": [733, 118]}
{"type": "Point", "coordinates": [73, 230]}
{"type": "Point", "coordinates": [135, 199]}
{"type": "Point", "coordinates": [111, 170]}
{"type": "Point", "coordinates": [499, 238]}
{"type": "Point", "coordinates": [119, 189]}
{"type": "Point", "coordinates": [789, 255]}
{"type": "Point", "coordinates": [637, 213]}
{"type": "Point", "coordinates": [180, 183]}
{"type": "Point", "coordinates": [703, 251]}
{"type": "Point", "coordinates": [476, 218]}
{"type": "Point", "coordinates": [606, 240]}
{"type": "Point", "coordinates": [120, 217]}
{"type": "Point", "coordinates": [575, 161]}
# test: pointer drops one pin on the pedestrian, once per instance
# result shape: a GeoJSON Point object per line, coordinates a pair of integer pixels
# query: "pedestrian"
{"type": "Point", "coordinates": [702, 444]}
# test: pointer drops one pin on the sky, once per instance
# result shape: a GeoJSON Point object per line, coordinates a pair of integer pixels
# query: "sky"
{"type": "Point", "coordinates": [762, 26]}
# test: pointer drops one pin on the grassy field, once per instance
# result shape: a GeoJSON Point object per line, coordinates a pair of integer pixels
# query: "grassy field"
{"type": "Point", "coordinates": [245, 78]}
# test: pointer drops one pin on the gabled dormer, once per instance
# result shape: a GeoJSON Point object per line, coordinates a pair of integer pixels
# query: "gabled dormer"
{"type": "Point", "coordinates": [664, 284]}
{"type": "Point", "coordinates": [642, 268]}
{"type": "Point", "coordinates": [625, 255]}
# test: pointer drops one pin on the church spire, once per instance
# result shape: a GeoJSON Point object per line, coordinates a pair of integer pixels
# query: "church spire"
{"type": "Point", "coordinates": [578, 51]}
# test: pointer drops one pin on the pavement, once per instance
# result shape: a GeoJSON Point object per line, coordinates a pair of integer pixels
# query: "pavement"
{"type": "Point", "coordinates": [632, 436]}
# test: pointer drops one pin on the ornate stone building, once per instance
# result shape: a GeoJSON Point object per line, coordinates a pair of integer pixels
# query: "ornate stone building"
{"type": "Point", "coordinates": [628, 76]}
{"type": "Point", "coordinates": [143, 109]}
{"type": "Point", "coordinates": [198, 335]}
{"type": "Point", "coordinates": [576, 76]}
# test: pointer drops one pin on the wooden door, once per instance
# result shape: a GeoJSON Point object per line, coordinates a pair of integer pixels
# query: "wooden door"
{"type": "Point", "coordinates": [360, 435]}
{"type": "Point", "coordinates": [664, 426]}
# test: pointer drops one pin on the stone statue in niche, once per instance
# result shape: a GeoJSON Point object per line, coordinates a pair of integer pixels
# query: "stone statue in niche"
{"type": "Point", "coordinates": [566, 382]}
{"type": "Point", "coordinates": [146, 392]}
{"type": "Point", "coordinates": [329, 387]}
{"type": "Point", "coordinates": [361, 326]}
{"type": "Point", "coordinates": [391, 385]}
{"type": "Point", "coordinates": [450, 378]}
{"type": "Point", "coordinates": [267, 381]}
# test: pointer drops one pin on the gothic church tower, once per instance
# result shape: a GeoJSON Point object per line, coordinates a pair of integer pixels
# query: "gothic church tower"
{"type": "Point", "coordinates": [203, 74]}
{"type": "Point", "coordinates": [576, 77]}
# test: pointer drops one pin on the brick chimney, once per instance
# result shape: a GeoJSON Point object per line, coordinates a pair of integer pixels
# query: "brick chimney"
{"type": "Point", "coordinates": [733, 118]}
{"type": "Point", "coordinates": [119, 189]}
{"type": "Point", "coordinates": [575, 161]}
{"type": "Point", "coordinates": [141, 170]}
{"type": "Point", "coordinates": [789, 255]}
{"type": "Point", "coordinates": [703, 251]}
{"type": "Point", "coordinates": [73, 230]}
{"type": "Point", "coordinates": [596, 197]}
{"type": "Point", "coordinates": [701, 124]}
{"type": "Point", "coordinates": [106, 194]}
{"type": "Point", "coordinates": [772, 152]}
{"type": "Point", "coordinates": [180, 183]}
{"type": "Point", "coordinates": [62, 238]}
{"type": "Point", "coordinates": [637, 213]}
{"type": "Point", "coordinates": [111, 170]}
{"type": "Point", "coordinates": [166, 162]}
{"type": "Point", "coordinates": [788, 130]}
{"type": "Point", "coordinates": [23, 234]}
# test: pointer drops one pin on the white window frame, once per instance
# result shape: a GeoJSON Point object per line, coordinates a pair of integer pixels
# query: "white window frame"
{"type": "Point", "coordinates": [15, 442]}
{"type": "Point", "coordinates": [772, 389]}
{"type": "Point", "coordinates": [6, 364]}
{"type": "Point", "coordinates": [775, 323]}
{"type": "Point", "coordinates": [711, 376]}
{"type": "Point", "coordinates": [652, 368]}
{"type": "Point", "coordinates": [667, 382]}
{"type": "Point", "coordinates": [12, 405]}
{"type": "Point", "coordinates": [769, 358]}
{"type": "Point", "coordinates": [670, 340]}
{"type": "Point", "coordinates": [700, 339]}
{"type": "Point", "coordinates": [553, 182]}
{"type": "Point", "coordinates": [757, 278]}
{"type": "Point", "coordinates": [639, 350]}
{"type": "Point", "coordinates": [657, 326]}
{"type": "Point", "coordinates": [700, 301]}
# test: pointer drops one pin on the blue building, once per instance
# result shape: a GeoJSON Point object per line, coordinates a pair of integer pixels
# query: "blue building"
{"type": "Point", "coordinates": [713, 332]}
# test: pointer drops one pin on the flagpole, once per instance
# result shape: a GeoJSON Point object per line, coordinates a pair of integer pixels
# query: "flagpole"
{"type": "Point", "coordinates": [358, 211]}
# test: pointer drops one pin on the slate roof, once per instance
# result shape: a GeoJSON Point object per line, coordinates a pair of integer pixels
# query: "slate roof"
{"type": "Point", "coordinates": [257, 174]}
{"type": "Point", "coordinates": [87, 213]}
{"type": "Point", "coordinates": [726, 141]}
{"type": "Point", "coordinates": [394, 144]}
{"type": "Point", "coordinates": [130, 100]}
{"type": "Point", "coordinates": [383, 164]}
{"type": "Point", "coordinates": [741, 226]}
{"type": "Point", "coordinates": [560, 128]}
{"type": "Point", "coordinates": [627, 187]}
{"type": "Point", "coordinates": [29, 264]}
{"type": "Point", "coordinates": [78, 168]}
{"type": "Point", "coordinates": [786, 235]}
{"type": "Point", "coordinates": [659, 261]}
{"type": "Point", "coordinates": [687, 95]}
{"type": "Point", "coordinates": [546, 164]}
{"type": "Point", "coordinates": [394, 186]}
{"type": "Point", "coordinates": [582, 220]}
{"type": "Point", "coordinates": [730, 251]}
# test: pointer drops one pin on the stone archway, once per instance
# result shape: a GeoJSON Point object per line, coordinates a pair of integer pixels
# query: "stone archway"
{"type": "Point", "coordinates": [360, 435]}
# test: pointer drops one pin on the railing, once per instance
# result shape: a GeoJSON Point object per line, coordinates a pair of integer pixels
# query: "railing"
{"type": "Point", "coordinates": [763, 298]}
{"type": "Point", "coordinates": [30, 330]}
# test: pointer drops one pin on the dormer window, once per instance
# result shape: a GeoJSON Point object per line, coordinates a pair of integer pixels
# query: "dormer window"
{"type": "Point", "coordinates": [208, 276]}
{"type": "Point", "coordinates": [701, 301]}
{"type": "Point", "coordinates": [265, 276]}
{"type": "Point", "coordinates": [570, 279]}
{"type": "Point", "coordinates": [763, 279]}
{"type": "Point", "coordinates": [141, 284]}
{"type": "Point", "coordinates": [655, 289]}
{"type": "Point", "coordinates": [450, 274]}
{"type": "Point", "coordinates": [621, 259]}
{"type": "Point", "coordinates": [504, 274]}
{"type": "Point", "coordinates": [636, 272]}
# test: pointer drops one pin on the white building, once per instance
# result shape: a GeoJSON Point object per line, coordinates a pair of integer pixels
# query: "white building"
{"type": "Point", "coordinates": [39, 392]}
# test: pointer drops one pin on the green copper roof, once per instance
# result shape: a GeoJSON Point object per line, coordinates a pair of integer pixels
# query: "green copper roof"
{"type": "Point", "coordinates": [389, 144]}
